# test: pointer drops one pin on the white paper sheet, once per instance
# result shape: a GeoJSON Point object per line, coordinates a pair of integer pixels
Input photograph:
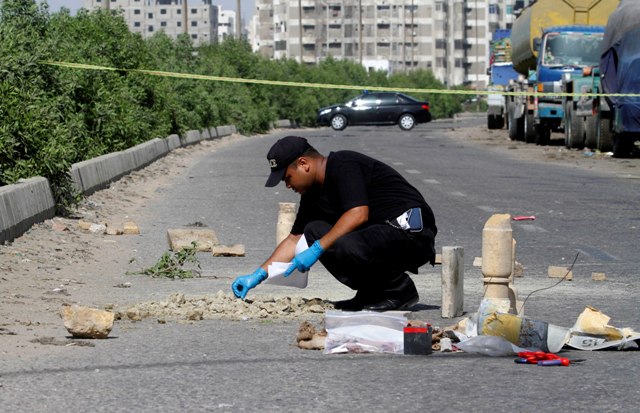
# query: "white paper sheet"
{"type": "Point", "coordinates": [296, 279]}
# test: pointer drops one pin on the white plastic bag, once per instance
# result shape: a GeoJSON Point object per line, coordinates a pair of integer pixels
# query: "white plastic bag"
{"type": "Point", "coordinates": [364, 332]}
{"type": "Point", "coordinates": [489, 346]}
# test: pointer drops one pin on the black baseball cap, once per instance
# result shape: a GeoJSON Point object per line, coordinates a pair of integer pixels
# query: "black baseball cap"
{"type": "Point", "coordinates": [282, 154]}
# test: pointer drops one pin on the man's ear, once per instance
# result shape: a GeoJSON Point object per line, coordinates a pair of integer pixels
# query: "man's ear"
{"type": "Point", "coordinates": [304, 163]}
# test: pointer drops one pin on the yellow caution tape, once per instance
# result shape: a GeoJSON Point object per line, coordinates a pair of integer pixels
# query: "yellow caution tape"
{"type": "Point", "coordinates": [329, 86]}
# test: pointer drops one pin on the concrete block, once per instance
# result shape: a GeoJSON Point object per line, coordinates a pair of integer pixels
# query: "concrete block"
{"type": "Point", "coordinates": [283, 123]}
{"type": "Point", "coordinates": [560, 272]}
{"type": "Point", "coordinates": [173, 141]}
{"type": "Point", "coordinates": [235, 250]}
{"type": "Point", "coordinates": [191, 137]}
{"type": "Point", "coordinates": [182, 238]}
{"type": "Point", "coordinates": [477, 262]}
{"type": "Point", "coordinates": [213, 132]}
{"type": "Point", "coordinates": [23, 204]}
{"type": "Point", "coordinates": [97, 173]}
{"type": "Point", "coordinates": [131, 228]}
{"type": "Point", "coordinates": [147, 152]}
{"type": "Point", "coordinates": [226, 130]}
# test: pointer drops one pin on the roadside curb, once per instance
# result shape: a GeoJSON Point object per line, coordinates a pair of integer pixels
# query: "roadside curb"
{"type": "Point", "coordinates": [30, 201]}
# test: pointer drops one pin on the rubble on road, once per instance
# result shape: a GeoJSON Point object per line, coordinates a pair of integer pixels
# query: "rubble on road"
{"type": "Point", "coordinates": [223, 306]}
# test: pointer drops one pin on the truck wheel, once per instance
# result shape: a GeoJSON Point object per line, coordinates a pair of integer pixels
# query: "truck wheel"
{"type": "Point", "coordinates": [529, 129]}
{"type": "Point", "coordinates": [500, 122]}
{"type": "Point", "coordinates": [513, 126]}
{"type": "Point", "coordinates": [622, 145]}
{"type": "Point", "coordinates": [603, 134]}
{"type": "Point", "coordinates": [576, 135]}
{"type": "Point", "coordinates": [591, 139]}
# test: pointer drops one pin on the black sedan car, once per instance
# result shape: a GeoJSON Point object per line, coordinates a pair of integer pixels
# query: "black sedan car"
{"type": "Point", "coordinates": [376, 108]}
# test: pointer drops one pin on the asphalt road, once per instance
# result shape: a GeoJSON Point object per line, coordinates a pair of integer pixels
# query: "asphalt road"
{"type": "Point", "coordinates": [255, 365]}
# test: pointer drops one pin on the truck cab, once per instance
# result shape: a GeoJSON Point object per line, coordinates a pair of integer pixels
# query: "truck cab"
{"type": "Point", "coordinates": [563, 50]}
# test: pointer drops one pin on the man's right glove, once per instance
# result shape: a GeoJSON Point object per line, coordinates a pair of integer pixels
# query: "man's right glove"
{"type": "Point", "coordinates": [244, 283]}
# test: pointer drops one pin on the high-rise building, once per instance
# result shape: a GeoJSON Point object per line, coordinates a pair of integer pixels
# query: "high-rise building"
{"type": "Point", "coordinates": [198, 18]}
{"type": "Point", "coordinates": [449, 37]}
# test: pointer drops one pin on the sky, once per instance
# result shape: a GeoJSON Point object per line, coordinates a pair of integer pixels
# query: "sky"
{"type": "Point", "coordinates": [75, 5]}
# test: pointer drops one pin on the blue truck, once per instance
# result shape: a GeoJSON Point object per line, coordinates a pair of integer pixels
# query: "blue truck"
{"type": "Point", "coordinates": [608, 123]}
{"type": "Point", "coordinates": [549, 39]}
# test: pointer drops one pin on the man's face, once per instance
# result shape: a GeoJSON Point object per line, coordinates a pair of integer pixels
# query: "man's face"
{"type": "Point", "coordinates": [297, 176]}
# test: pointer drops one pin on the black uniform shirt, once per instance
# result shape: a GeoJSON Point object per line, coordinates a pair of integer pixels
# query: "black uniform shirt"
{"type": "Point", "coordinates": [353, 179]}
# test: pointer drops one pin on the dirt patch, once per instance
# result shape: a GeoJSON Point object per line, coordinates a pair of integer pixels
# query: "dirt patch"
{"type": "Point", "coordinates": [555, 152]}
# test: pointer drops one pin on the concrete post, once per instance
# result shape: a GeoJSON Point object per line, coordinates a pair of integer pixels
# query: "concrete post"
{"type": "Point", "coordinates": [286, 218]}
{"type": "Point", "coordinates": [497, 258]}
{"type": "Point", "coordinates": [452, 281]}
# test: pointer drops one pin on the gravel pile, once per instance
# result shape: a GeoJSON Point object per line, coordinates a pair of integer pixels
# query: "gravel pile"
{"type": "Point", "coordinates": [224, 306]}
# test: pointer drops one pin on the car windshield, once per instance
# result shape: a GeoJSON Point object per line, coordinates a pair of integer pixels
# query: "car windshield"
{"type": "Point", "coordinates": [572, 49]}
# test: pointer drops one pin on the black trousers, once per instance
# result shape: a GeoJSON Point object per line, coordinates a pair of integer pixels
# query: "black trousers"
{"type": "Point", "coordinates": [374, 259]}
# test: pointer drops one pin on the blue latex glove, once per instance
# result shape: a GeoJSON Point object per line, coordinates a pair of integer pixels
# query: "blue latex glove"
{"type": "Point", "coordinates": [244, 283]}
{"type": "Point", "coordinates": [305, 259]}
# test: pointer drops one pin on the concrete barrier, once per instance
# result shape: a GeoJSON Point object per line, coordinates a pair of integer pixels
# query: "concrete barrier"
{"type": "Point", "coordinates": [226, 130]}
{"type": "Point", "coordinates": [284, 124]}
{"type": "Point", "coordinates": [173, 142]}
{"type": "Point", "coordinates": [191, 137]}
{"type": "Point", "coordinates": [31, 201]}
{"type": "Point", "coordinates": [147, 152]}
{"type": "Point", "coordinates": [23, 204]}
{"type": "Point", "coordinates": [94, 174]}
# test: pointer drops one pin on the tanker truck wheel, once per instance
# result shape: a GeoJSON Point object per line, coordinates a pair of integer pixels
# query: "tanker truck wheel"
{"type": "Point", "coordinates": [603, 134]}
{"type": "Point", "coordinates": [529, 128]}
{"type": "Point", "coordinates": [575, 134]}
{"type": "Point", "coordinates": [516, 129]}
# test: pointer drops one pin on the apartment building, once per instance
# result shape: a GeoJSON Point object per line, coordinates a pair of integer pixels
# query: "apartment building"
{"type": "Point", "coordinates": [226, 24]}
{"type": "Point", "coordinates": [198, 18]}
{"type": "Point", "coordinates": [449, 37]}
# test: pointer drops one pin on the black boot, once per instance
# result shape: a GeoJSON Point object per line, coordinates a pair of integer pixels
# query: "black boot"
{"type": "Point", "coordinates": [356, 303]}
{"type": "Point", "coordinates": [401, 295]}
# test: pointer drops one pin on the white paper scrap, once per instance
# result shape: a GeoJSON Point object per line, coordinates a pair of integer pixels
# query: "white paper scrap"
{"type": "Point", "coordinates": [296, 279]}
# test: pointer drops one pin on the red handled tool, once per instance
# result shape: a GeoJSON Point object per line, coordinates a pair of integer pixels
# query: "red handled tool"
{"type": "Point", "coordinates": [543, 359]}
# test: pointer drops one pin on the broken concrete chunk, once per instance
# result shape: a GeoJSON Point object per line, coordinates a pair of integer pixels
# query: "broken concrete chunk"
{"type": "Point", "coordinates": [114, 231]}
{"type": "Point", "coordinates": [598, 276]}
{"type": "Point", "coordinates": [477, 262]}
{"type": "Point", "coordinates": [235, 250]}
{"type": "Point", "coordinates": [85, 322]}
{"type": "Point", "coordinates": [182, 238]}
{"type": "Point", "coordinates": [130, 228]}
{"type": "Point", "coordinates": [97, 228]}
{"type": "Point", "coordinates": [560, 272]}
{"type": "Point", "coordinates": [84, 225]}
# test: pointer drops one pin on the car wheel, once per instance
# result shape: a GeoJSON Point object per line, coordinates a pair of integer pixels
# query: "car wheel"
{"type": "Point", "coordinates": [406, 121]}
{"type": "Point", "coordinates": [339, 122]}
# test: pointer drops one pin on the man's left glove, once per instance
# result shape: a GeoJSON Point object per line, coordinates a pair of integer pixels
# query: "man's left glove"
{"type": "Point", "coordinates": [244, 283]}
{"type": "Point", "coordinates": [303, 261]}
